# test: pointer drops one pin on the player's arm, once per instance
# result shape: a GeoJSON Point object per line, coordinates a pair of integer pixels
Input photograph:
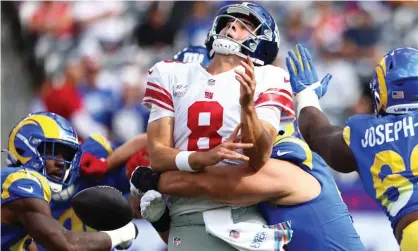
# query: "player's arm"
{"type": "Point", "coordinates": [35, 216]}
{"type": "Point", "coordinates": [122, 154]}
{"type": "Point", "coordinates": [237, 184]}
{"type": "Point", "coordinates": [160, 144]}
{"type": "Point", "coordinates": [260, 133]}
{"type": "Point", "coordinates": [325, 139]}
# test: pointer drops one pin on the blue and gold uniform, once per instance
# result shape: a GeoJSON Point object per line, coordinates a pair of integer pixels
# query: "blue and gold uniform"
{"type": "Point", "coordinates": [61, 208]}
{"type": "Point", "coordinates": [323, 223]}
{"type": "Point", "coordinates": [385, 147]}
{"type": "Point", "coordinates": [20, 183]}
{"type": "Point", "coordinates": [386, 152]}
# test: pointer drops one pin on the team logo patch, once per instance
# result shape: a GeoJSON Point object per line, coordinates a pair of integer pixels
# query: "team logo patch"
{"type": "Point", "coordinates": [209, 95]}
{"type": "Point", "coordinates": [234, 234]}
{"type": "Point", "coordinates": [176, 241]}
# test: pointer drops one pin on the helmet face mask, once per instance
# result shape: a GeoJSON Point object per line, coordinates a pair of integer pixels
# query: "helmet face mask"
{"type": "Point", "coordinates": [46, 143]}
{"type": "Point", "coordinates": [262, 43]}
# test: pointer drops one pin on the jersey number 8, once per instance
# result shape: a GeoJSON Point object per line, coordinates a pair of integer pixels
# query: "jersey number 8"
{"type": "Point", "coordinates": [204, 120]}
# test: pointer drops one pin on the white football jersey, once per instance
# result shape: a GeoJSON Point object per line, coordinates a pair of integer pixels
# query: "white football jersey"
{"type": "Point", "coordinates": [206, 107]}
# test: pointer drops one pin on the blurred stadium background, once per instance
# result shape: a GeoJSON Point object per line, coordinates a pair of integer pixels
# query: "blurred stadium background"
{"type": "Point", "coordinates": [87, 62]}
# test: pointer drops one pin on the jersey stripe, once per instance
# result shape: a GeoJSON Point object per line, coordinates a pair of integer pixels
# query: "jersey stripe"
{"type": "Point", "coordinates": [161, 89]}
{"type": "Point", "coordinates": [159, 96]}
{"type": "Point", "coordinates": [157, 103]}
{"type": "Point", "coordinates": [277, 97]}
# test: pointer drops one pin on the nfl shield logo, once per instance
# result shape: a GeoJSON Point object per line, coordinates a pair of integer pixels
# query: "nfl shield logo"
{"type": "Point", "coordinates": [176, 241]}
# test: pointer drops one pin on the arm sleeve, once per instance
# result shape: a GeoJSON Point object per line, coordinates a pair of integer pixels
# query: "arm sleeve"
{"type": "Point", "coordinates": [158, 97]}
{"type": "Point", "coordinates": [277, 94]}
{"type": "Point", "coordinates": [270, 114]}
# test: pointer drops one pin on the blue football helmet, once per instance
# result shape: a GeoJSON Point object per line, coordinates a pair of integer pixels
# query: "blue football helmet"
{"type": "Point", "coordinates": [262, 46]}
{"type": "Point", "coordinates": [192, 54]}
{"type": "Point", "coordinates": [394, 86]}
{"type": "Point", "coordinates": [37, 138]}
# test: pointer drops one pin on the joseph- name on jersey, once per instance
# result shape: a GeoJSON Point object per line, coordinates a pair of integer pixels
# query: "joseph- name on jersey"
{"type": "Point", "coordinates": [386, 152]}
{"type": "Point", "coordinates": [20, 183]}
{"type": "Point", "coordinates": [206, 108]}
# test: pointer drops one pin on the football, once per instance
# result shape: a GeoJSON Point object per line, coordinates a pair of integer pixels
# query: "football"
{"type": "Point", "coordinates": [102, 208]}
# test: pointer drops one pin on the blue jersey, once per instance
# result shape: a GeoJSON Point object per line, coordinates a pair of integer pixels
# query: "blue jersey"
{"type": "Point", "coordinates": [386, 152]}
{"type": "Point", "coordinates": [323, 223]}
{"type": "Point", "coordinates": [20, 183]}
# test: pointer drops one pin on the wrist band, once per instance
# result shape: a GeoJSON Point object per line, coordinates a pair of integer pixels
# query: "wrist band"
{"type": "Point", "coordinates": [182, 161]}
{"type": "Point", "coordinates": [306, 98]}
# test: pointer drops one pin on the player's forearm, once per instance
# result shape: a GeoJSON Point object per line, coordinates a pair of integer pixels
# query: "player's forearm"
{"type": "Point", "coordinates": [51, 235]}
{"type": "Point", "coordinates": [253, 132]}
{"type": "Point", "coordinates": [235, 185]}
{"type": "Point", "coordinates": [122, 154]}
{"type": "Point", "coordinates": [88, 241]}
{"type": "Point", "coordinates": [315, 128]}
{"type": "Point", "coordinates": [182, 184]}
{"type": "Point", "coordinates": [162, 158]}
{"type": "Point", "coordinates": [318, 132]}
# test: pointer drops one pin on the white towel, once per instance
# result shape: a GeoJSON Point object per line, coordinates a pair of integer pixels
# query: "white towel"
{"type": "Point", "coordinates": [245, 236]}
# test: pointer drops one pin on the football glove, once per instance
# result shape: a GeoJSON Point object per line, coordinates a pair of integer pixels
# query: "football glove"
{"type": "Point", "coordinates": [154, 209]}
{"type": "Point", "coordinates": [91, 165]}
{"type": "Point", "coordinates": [303, 74]}
{"type": "Point", "coordinates": [140, 158]}
{"type": "Point", "coordinates": [143, 179]}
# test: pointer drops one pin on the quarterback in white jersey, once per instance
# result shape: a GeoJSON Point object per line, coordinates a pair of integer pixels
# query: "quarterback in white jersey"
{"type": "Point", "coordinates": [195, 110]}
{"type": "Point", "coordinates": [206, 107]}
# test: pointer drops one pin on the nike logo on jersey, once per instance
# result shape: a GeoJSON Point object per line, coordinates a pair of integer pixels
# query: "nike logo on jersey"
{"type": "Point", "coordinates": [286, 80]}
{"type": "Point", "coordinates": [150, 72]}
{"type": "Point", "coordinates": [29, 190]}
{"type": "Point", "coordinates": [279, 153]}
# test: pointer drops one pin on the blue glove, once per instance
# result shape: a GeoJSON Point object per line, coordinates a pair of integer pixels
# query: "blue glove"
{"type": "Point", "coordinates": [303, 74]}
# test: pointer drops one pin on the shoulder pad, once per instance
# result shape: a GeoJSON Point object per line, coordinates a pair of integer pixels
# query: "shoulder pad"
{"type": "Point", "coordinates": [294, 150]}
{"type": "Point", "coordinates": [25, 183]}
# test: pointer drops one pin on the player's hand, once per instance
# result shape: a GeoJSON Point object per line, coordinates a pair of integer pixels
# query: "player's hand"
{"type": "Point", "coordinates": [154, 209]}
{"type": "Point", "coordinates": [248, 83]}
{"type": "Point", "coordinates": [225, 151]}
{"type": "Point", "coordinates": [303, 74]}
{"type": "Point", "coordinates": [143, 179]}
{"type": "Point", "coordinates": [152, 206]}
{"type": "Point", "coordinates": [91, 165]}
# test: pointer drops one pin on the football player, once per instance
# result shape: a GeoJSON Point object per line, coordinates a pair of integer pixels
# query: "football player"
{"type": "Point", "coordinates": [383, 148]}
{"type": "Point", "coordinates": [44, 156]}
{"type": "Point", "coordinates": [194, 109]}
{"type": "Point", "coordinates": [295, 185]}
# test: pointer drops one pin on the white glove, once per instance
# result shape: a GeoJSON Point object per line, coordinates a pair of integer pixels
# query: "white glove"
{"type": "Point", "coordinates": [123, 236]}
{"type": "Point", "coordinates": [153, 206]}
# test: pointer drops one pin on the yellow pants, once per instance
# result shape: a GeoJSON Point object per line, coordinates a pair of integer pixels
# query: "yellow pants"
{"type": "Point", "coordinates": [410, 237]}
